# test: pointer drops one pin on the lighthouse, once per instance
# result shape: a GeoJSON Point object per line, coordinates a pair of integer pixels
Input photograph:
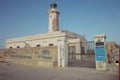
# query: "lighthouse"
{"type": "Point", "coordinates": [53, 15]}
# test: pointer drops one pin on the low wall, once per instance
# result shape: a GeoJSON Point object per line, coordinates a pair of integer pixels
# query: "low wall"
{"type": "Point", "coordinates": [41, 56]}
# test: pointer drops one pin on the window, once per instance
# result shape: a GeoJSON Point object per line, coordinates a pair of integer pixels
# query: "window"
{"type": "Point", "coordinates": [27, 45]}
{"type": "Point", "coordinates": [18, 46]}
{"type": "Point", "coordinates": [38, 45]}
{"type": "Point", "coordinates": [10, 47]}
{"type": "Point", "coordinates": [72, 50]}
{"type": "Point", "coordinates": [50, 44]}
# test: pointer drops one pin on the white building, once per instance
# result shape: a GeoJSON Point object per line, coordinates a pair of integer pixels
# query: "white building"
{"type": "Point", "coordinates": [54, 37]}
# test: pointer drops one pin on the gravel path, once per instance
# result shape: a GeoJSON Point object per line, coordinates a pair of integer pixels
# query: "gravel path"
{"type": "Point", "coordinates": [22, 72]}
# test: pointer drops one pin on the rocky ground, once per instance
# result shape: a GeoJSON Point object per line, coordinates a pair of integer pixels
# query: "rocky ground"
{"type": "Point", "coordinates": [9, 71]}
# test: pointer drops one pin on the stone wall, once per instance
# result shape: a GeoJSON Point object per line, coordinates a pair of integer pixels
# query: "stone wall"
{"type": "Point", "coordinates": [112, 51]}
{"type": "Point", "coordinates": [43, 56]}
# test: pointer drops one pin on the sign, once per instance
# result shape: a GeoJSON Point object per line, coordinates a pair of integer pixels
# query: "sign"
{"type": "Point", "coordinates": [100, 53]}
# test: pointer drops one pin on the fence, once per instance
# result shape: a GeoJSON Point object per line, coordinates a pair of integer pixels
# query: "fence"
{"type": "Point", "coordinates": [86, 58]}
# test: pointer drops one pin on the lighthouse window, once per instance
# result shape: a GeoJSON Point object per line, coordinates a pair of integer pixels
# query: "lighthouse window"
{"type": "Point", "coordinates": [50, 16]}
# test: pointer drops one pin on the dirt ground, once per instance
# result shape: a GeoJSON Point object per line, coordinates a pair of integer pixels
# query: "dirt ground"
{"type": "Point", "coordinates": [9, 71]}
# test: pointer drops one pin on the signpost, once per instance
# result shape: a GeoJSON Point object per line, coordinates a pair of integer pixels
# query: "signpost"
{"type": "Point", "coordinates": [100, 52]}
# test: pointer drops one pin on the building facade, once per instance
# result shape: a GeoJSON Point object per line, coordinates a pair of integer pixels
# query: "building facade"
{"type": "Point", "coordinates": [55, 37]}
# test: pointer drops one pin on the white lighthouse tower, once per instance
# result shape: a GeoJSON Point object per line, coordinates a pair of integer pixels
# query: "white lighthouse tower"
{"type": "Point", "coordinates": [53, 14]}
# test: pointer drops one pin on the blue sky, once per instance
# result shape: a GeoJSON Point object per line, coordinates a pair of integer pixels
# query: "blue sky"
{"type": "Point", "coordinates": [86, 17]}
